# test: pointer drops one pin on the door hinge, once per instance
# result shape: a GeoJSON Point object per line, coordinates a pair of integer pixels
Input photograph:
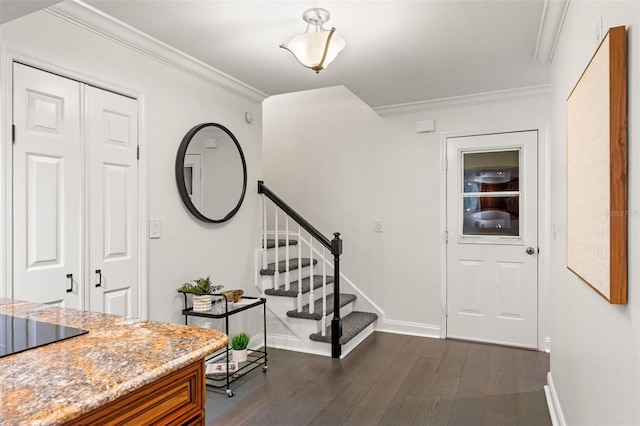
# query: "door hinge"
{"type": "Point", "coordinates": [446, 236]}
{"type": "Point", "coordinates": [13, 133]}
{"type": "Point", "coordinates": [138, 152]}
{"type": "Point", "coordinates": [445, 310]}
{"type": "Point", "coordinates": [446, 163]}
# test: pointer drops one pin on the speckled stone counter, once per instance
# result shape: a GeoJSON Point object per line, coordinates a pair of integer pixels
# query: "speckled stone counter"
{"type": "Point", "coordinates": [61, 381]}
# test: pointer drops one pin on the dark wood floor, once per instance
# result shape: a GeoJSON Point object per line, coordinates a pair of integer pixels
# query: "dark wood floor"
{"type": "Point", "coordinates": [391, 379]}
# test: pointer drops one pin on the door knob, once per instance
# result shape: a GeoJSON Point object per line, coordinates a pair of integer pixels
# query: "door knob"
{"type": "Point", "coordinates": [531, 250]}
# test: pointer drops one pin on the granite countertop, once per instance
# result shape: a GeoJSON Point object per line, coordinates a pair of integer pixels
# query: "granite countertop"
{"type": "Point", "coordinates": [56, 383]}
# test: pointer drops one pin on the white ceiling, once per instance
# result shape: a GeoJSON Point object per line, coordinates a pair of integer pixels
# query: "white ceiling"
{"type": "Point", "coordinates": [396, 51]}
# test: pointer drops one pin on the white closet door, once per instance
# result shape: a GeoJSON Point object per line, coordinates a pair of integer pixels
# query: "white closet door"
{"type": "Point", "coordinates": [112, 143]}
{"type": "Point", "coordinates": [47, 179]}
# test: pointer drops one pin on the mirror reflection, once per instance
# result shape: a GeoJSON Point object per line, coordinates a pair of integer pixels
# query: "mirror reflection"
{"type": "Point", "coordinates": [211, 172]}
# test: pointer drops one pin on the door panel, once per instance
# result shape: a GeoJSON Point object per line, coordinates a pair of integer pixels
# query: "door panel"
{"type": "Point", "coordinates": [491, 221]}
{"type": "Point", "coordinates": [112, 140]}
{"type": "Point", "coordinates": [47, 203]}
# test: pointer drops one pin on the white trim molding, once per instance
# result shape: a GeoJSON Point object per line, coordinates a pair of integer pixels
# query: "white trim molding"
{"type": "Point", "coordinates": [553, 403]}
{"type": "Point", "coordinates": [408, 328]}
{"type": "Point", "coordinates": [550, 26]}
{"type": "Point", "coordinates": [91, 19]}
{"type": "Point", "coordinates": [466, 100]}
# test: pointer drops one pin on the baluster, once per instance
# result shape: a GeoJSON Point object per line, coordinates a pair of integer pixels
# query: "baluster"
{"type": "Point", "coordinates": [287, 274]}
{"type": "Point", "coordinates": [311, 297]}
{"type": "Point", "coordinates": [324, 291]}
{"type": "Point", "coordinates": [265, 262]}
{"type": "Point", "coordinates": [299, 301]}
{"type": "Point", "coordinates": [276, 273]}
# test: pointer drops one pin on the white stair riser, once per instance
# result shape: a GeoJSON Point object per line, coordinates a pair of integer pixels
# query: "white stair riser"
{"type": "Point", "coordinates": [267, 282]}
{"type": "Point", "coordinates": [293, 254]}
{"type": "Point", "coordinates": [301, 327]}
{"type": "Point", "coordinates": [282, 253]}
{"type": "Point", "coordinates": [293, 274]}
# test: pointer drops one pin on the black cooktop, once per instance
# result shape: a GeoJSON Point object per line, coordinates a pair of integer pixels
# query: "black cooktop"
{"type": "Point", "coordinates": [21, 334]}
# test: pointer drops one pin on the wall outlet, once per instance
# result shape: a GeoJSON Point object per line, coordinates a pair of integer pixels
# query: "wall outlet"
{"type": "Point", "coordinates": [377, 226]}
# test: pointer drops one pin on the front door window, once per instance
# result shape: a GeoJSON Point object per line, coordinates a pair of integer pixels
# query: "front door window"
{"type": "Point", "coordinates": [491, 193]}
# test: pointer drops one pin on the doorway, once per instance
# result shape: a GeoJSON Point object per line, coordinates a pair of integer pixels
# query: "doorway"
{"type": "Point", "coordinates": [492, 238]}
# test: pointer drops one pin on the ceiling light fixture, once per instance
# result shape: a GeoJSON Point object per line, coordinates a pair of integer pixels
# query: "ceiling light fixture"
{"type": "Point", "coordinates": [315, 49]}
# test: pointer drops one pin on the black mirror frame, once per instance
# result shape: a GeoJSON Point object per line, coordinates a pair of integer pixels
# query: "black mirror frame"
{"type": "Point", "coordinates": [182, 188]}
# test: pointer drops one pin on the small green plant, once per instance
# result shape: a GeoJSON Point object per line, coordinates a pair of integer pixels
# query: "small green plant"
{"type": "Point", "coordinates": [201, 286]}
{"type": "Point", "coordinates": [240, 341]}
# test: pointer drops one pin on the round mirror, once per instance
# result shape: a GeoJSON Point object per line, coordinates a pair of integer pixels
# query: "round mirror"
{"type": "Point", "coordinates": [211, 172]}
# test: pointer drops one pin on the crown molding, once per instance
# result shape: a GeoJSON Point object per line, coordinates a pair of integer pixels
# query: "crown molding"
{"type": "Point", "coordinates": [466, 100]}
{"type": "Point", "coordinates": [92, 19]}
{"type": "Point", "coordinates": [550, 27]}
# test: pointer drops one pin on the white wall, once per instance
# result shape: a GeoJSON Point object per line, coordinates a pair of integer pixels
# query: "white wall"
{"type": "Point", "coordinates": [173, 102]}
{"type": "Point", "coordinates": [342, 166]}
{"type": "Point", "coordinates": [595, 361]}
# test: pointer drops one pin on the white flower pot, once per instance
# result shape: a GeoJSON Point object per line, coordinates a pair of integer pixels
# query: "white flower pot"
{"type": "Point", "coordinates": [202, 303]}
{"type": "Point", "coordinates": [239, 355]}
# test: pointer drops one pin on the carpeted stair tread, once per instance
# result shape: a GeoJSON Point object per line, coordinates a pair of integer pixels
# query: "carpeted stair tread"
{"type": "Point", "coordinates": [345, 299]}
{"type": "Point", "coordinates": [271, 243]}
{"type": "Point", "coordinates": [282, 266]}
{"type": "Point", "coordinates": [293, 288]}
{"type": "Point", "coordinates": [352, 324]}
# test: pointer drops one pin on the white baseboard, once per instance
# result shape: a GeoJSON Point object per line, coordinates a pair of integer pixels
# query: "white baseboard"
{"type": "Point", "coordinates": [292, 343]}
{"type": "Point", "coordinates": [408, 328]}
{"type": "Point", "coordinates": [555, 410]}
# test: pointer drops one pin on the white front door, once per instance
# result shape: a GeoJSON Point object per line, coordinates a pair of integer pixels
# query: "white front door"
{"type": "Point", "coordinates": [492, 268]}
{"type": "Point", "coordinates": [111, 145]}
{"type": "Point", "coordinates": [47, 189]}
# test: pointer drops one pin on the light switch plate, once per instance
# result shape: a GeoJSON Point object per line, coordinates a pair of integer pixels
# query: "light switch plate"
{"type": "Point", "coordinates": [154, 228]}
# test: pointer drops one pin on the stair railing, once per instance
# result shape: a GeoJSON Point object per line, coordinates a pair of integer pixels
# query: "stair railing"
{"type": "Point", "coordinates": [334, 246]}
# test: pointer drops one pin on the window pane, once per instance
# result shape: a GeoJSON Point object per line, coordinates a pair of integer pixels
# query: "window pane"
{"type": "Point", "coordinates": [491, 216]}
{"type": "Point", "coordinates": [491, 171]}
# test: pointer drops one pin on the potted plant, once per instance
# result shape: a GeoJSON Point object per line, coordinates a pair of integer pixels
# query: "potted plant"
{"type": "Point", "coordinates": [234, 295]}
{"type": "Point", "coordinates": [201, 290]}
{"type": "Point", "coordinates": [239, 343]}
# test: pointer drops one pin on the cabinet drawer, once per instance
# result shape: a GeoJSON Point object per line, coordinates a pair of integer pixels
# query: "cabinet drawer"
{"type": "Point", "coordinates": [176, 399]}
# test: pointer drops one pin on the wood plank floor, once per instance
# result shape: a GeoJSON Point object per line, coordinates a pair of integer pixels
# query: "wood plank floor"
{"type": "Point", "coordinates": [391, 379]}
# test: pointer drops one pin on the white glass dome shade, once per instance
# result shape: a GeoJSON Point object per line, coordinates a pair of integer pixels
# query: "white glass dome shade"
{"type": "Point", "coordinates": [316, 49]}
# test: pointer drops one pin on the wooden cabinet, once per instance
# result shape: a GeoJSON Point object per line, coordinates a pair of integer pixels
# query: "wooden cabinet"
{"type": "Point", "coordinates": [177, 399]}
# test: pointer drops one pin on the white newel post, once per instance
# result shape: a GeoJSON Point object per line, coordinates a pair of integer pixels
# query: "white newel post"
{"type": "Point", "coordinates": [311, 297]}
{"type": "Point", "coordinates": [287, 274]}
{"type": "Point", "coordinates": [324, 291]}
{"type": "Point", "coordinates": [276, 273]}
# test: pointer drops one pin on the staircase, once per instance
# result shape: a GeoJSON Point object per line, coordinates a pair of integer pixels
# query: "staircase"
{"type": "Point", "coordinates": [301, 286]}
